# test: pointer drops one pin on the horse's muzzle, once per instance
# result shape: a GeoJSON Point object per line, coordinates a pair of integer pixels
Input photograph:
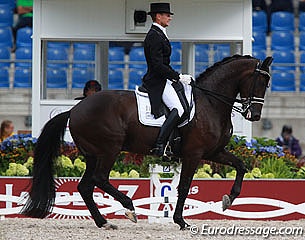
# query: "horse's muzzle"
{"type": "Point", "coordinates": [253, 115]}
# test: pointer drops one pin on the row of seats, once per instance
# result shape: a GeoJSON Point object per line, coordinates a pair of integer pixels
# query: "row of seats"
{"type": "Point", "coordinates": [280, 40]}
{"type": "Point", "coordinates": [287, 55]}
{"type": "Point", "coordinates": [57, 78]}
{"type": "Point", "coordinates": [286, 82]}
{"type": "Point", "coordinates": [280, 21]}
{"type": "Point", "coordinates": [23, 37]}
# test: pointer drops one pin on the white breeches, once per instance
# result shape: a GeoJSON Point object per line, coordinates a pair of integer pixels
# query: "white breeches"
{"type": "Point", "coordinates": [171, 99]}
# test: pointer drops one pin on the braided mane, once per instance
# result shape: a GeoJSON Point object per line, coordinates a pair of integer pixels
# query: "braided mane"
{"type": "Point", "coordinates": [222, 62]}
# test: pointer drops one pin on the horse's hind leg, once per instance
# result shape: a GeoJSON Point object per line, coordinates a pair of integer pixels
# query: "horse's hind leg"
{"type": "Point", "coordinates": [101, 179]}
{"type": "Point", "coordinates": [228, 158]}
{"type": "Point", "coordinates": [86, 187]}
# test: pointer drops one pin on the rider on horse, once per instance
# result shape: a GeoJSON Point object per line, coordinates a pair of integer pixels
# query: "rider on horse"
{"type": "Point", "coordinates": [162, 82]}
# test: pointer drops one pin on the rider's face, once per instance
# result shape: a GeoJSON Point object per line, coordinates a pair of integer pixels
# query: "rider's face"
{"type": "Point", "coordinates": [164, 19]}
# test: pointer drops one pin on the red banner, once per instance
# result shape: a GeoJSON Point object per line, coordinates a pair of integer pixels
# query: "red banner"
{"type": "Point", "coordinates": [260, 199]}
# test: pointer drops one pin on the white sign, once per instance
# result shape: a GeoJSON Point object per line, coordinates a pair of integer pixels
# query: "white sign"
{"type": "Point", "coordinates": [50, 109]}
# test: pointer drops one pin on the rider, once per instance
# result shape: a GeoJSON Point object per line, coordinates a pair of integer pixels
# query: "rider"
{"type": "Point", "coordinates": [161, 81]}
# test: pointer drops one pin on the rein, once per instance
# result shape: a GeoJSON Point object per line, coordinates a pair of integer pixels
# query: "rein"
{"type": "Point", "coordinates": [225, 99]}
{"type": "Point", "coordinates": [246, 102]}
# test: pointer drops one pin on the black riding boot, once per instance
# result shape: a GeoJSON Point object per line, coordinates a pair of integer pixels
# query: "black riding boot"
{"type": "Point", "coordinates": [166, 129]}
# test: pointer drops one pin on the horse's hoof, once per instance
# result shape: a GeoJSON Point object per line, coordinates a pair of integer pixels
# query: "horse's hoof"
{"type": "Point", "coordinates": [131, 215]}
{"type": "Point", "coordinates": [226, 202]}
{"type": "Point", "coordinates": [185, 227]}
{"type": "Point", "coordinates": [110, 226]}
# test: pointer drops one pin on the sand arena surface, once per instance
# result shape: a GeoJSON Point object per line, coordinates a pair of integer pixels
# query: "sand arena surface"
{"type": "Point", "coordinates": [43, 229]}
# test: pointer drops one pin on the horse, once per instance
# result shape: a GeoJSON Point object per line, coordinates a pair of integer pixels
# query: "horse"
{"type": "Point", "coordinates": [107, 123]}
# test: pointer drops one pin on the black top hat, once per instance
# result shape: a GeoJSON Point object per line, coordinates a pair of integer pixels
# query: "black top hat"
{"type": "Point", "coordinates": [160, 8]}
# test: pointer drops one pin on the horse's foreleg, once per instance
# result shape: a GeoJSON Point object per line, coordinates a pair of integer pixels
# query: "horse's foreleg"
{"type": "Point", "coordinates": [228, 158]}
{"type": "Point", "coordinates": [186, 177]}
{"type": "Point", "coordinates": [85, 188]}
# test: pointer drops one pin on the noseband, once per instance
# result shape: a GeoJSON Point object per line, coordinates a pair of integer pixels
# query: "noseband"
{"type": "Point", "coordinates": [245, 102]}
{"type": "Point", "coordinates": [249, 101]}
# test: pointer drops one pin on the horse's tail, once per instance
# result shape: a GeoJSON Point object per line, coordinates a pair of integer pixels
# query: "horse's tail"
{"type": "Point", "coordinates": [42, 194]}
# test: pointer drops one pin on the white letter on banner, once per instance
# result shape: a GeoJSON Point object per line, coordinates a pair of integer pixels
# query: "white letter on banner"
{"type": "Point", "coordinates": [131, 189]}
{"type": "Point", "coordinates": [62, 194]}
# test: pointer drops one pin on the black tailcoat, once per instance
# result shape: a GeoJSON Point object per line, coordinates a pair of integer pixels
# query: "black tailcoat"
{"type": "Point", "coordinates": [157, 51]}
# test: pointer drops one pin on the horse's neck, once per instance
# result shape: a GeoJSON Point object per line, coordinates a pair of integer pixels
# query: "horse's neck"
{"type": "Point", "coordinates": [220, 95]}
{"type": "Point", "coordinates": [224, 86]}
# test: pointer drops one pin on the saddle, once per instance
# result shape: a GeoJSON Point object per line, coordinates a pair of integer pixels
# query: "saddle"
{"type": "Point", "coordinates": [144, 108]}
{"type": "Point", "coordinates": [147, 119]}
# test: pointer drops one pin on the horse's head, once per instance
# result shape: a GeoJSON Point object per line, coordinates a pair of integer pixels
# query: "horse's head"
{"type": "Point", "coordinates": [253, 90]}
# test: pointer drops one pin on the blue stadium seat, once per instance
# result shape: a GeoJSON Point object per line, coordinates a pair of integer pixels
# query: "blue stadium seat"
{"type": "Point", "coordinates": [283, 81]}
{"type": "Point", "coordinates": [56, 78]}
{"type": "Point", "coordinates": [4, 78]}
{"type": "Point", "coordinates": [57, 57]}
{"type": "Point", "coordinates": [24, 37]}
{"type": "Point", "coordinates": [116, 57]}
{"type": "Point", "coordinates": [11, 3]}
{"type": "Point", "coordinates": [176, 45]}
{"type": "Point", "coordinates": [201, 59]}
{"type": "Point", "coordinates": [175, 59]}
{"type": "Point", "coordinates": [137, 58]}
{"type": "Point", "coordinates": [283, 61]}
{"type": "Point", "coordinates": [116, 79]}
{"type": "Point", "coordinates": [80, 77]}
{"type": "Point", "coordinates": [6, 15]}
{"type": "Point", "coordinates": [135, 78]}
{"type": "Point", "coordinates": [282, 21]}
{"type": "Point", "coordinates": [282, 40]}
{"type": "Point", "coordinates": [65, 45]}
{"type": "Point", "coordinates": [259, 21]}
{"type": "Point", "coordinates": [259, 53]}
{"type": "Point", "coordinates": [22, 77]}
{"type": "Point", "coordinates": [6, 37]}
{"type": "Point", "coordinates": [302, 21]}
{"type": "Point", "coordinates": [302, 61]}
{"type": "Point", "coordinates": [90, 46]}
{"type": "Point", "coordinates": [83, 58]}
{"type": "Point", "coordinates": [23, 57]}
{"type": "Point", "coordinates": [302, 41]}
{"type": "Point", "coordinates": [221, 51]}
{"type": "Point", "coordinates": [204, 46]}
{"type": "Point", "coordinates": [5, 56]}
{"type": "Point", "coordinates": [259, 39]}
{"type": "Point", "coordinates": [302, 82]}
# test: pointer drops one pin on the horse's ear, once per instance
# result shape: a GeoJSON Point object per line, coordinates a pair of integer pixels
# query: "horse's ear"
{"type": "Point", "coordinates": [267, 62]}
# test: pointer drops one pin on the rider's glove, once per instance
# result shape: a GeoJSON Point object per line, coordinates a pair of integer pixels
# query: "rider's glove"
{"type": "Point", "coordinates": [185, 78]}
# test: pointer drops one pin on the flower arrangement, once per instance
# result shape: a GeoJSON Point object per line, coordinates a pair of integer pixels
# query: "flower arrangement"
{"type": "Point", "coordinates": [261, 156]}
{"type": "Point", "coordinates": [16, 158]}
{"type": "Point", "coordinates": [15, 150]}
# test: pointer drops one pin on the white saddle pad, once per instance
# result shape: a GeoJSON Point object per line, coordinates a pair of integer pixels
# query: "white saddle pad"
{"type": "Point", "coordinates": [144, 108]}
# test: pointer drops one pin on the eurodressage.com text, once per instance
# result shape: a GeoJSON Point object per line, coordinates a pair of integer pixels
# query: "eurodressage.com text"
{"type": "Point", "coordinates": [206, 230]}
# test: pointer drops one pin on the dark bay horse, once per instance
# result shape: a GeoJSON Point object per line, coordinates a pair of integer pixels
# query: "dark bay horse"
{"type": "Point", "coordinates": [107, 123]}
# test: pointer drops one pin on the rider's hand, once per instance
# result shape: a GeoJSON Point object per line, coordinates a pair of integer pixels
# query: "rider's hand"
{"type": "Point", "coordinates": [185, 78]}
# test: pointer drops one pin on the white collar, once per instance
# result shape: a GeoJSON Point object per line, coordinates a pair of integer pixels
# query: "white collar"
{"type": "Point", "coordinates": [162, 28]}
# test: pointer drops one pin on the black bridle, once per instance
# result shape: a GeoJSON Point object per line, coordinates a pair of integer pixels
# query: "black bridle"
{"type": "Point", "coordinates": [246, 103]}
